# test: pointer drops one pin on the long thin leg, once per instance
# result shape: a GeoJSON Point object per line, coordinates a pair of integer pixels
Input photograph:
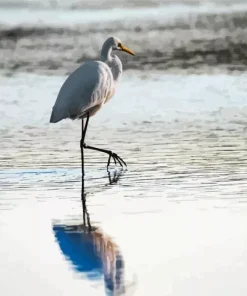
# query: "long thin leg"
{"type": "Point", "coordinates": [83, 134]}
{"type": "Point", "coordinates": [83, 197]}
{"type": "Point", "coordinates": [85, 129]}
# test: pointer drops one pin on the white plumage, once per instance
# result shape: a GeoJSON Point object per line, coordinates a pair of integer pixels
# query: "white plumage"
{"type": "Point", "coordinates": [91, 85]}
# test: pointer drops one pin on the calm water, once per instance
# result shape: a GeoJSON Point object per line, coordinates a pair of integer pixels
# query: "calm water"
{"type": "Point", "coordinates": [174, 222]}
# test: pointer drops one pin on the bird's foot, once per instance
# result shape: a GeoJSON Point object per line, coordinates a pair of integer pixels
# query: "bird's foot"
{"type": "Point", "coordinates": [116, 159]}
{"type": "Point", "coordinates": [112, 155]}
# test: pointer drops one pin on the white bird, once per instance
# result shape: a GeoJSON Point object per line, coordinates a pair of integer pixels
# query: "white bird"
{"type": "Point", "coordinates": [88, 88]}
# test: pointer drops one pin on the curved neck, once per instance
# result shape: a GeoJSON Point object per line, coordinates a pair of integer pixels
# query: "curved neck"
{"type": "Point", "coordinates": [106, 52]}
{"type": "Point", "coordinates": [116, 68]}
{"type": "Point", "coordinates": [113, 62]}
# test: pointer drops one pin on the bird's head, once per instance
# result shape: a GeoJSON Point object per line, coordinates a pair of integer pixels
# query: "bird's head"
{"type": "Point", "coordinates": [116, 44]}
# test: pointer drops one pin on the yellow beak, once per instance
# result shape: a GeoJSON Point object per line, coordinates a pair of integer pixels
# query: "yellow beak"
{"type": "Point", "coordinates": [127, 50]}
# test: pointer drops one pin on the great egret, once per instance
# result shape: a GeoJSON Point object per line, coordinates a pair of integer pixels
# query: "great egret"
{"type": "Point", "coordinates": [88, 88]}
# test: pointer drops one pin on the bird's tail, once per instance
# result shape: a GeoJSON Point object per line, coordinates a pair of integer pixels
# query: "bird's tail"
{"type": "Point", "coordinates": [54, 118]}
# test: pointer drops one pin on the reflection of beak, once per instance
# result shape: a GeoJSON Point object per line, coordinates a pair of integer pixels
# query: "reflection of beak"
{"type": "Point", "coordinates": [127, 50]}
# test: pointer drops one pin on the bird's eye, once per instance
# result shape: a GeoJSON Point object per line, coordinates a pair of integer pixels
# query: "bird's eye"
{"type": "Point", "coordinates": [119, 45]}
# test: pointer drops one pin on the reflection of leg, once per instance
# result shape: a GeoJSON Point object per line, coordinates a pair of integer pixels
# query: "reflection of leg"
{"type": "Point", "coordinates": [114, 179]}
{"type": "Point", "coordinates": [84, 209]}
{"type": "Point", "coordinates": [88, 221]}
{"type": "Point", "coordinates": [86, 216]}
{"type": "Point", "coordinates": [110, 153]}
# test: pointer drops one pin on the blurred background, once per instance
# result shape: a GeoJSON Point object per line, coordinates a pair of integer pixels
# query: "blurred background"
{"type": "Point", "coordinates": [175, 222]}
{"type": "Point", "coordinates": [55, 36]}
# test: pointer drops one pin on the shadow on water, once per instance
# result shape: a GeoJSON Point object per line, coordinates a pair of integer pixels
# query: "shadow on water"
{"type": "Point", "coordinates": [92, 252]}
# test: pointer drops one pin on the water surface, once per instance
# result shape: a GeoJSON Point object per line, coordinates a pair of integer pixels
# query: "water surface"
{"type": "Point", "coordinates": [173, 224]}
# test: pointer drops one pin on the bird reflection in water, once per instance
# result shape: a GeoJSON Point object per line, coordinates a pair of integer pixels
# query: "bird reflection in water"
{"type": "Point", "coordinates": [92, 252]}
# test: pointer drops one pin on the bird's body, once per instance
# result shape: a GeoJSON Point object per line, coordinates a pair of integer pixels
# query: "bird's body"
{"type": "Point", "coordinates": [85, 90]}
{"type": "Point", "coordinates": [89, 87]}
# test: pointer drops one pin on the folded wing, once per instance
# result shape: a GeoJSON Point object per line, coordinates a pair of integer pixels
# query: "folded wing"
{"type": "Point", "coordinates": [84, 89]}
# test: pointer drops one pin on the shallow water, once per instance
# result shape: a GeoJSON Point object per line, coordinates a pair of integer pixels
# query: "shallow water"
{"type": "Point", "coordinates": [172, 224]}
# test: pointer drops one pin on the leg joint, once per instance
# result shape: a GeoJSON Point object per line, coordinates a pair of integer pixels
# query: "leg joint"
{"type": "Point", "coordinates": [82, 144]}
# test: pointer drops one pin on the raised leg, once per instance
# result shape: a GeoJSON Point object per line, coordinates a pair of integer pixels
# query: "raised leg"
{"type": "Point", "coordinates": [111, 154]}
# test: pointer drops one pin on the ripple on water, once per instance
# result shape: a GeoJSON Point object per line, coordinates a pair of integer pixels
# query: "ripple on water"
{"type": "Point", "coordinates": [179, 210]}
{"type": "Point", "coordinates": [189, 143]}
